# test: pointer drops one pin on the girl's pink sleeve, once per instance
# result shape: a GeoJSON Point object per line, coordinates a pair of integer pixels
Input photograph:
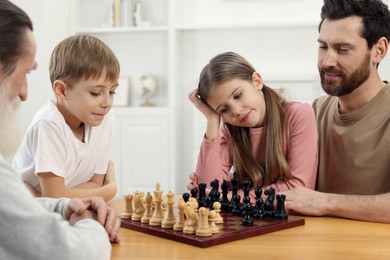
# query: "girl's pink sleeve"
{"type": "Point", "coordinates": [213, 160]}
{"type": "Point", "coordinates": [302, 151]}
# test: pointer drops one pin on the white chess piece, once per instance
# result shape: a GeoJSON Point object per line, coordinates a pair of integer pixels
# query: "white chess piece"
{"type": "Point", "coordinates": [217, 208]}
{"type": "Point", "coordinates": [204, 229]}
{"type": "Point", "coordinates": [169, 219]}
{"type": "Point", "coordinates": [212, 218]}
{"type": "Point", "coordinates": [148, 212]}
{"type": "Point", "coordinates": [179, 225]}
{"type": "Point", "coordinates": [158, 216]}
{"type": "Point", "coordinates": [128, 210]}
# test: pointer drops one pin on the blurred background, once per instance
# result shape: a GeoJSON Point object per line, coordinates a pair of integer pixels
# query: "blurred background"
{"type": "Point", "coordinates": [162, 46]}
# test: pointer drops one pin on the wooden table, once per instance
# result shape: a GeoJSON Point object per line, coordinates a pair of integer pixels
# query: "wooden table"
{"type": "Point", "coordinates": [319, 238]}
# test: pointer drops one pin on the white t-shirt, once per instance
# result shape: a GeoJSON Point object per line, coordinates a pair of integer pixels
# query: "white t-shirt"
{"type": "Point", "coordinates": [50, 146]}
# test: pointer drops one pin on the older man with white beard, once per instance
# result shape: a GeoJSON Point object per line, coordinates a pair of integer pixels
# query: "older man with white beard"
{"type": "Point", "coordinates": [8, 127]}
{"type": "Point", "coordinates": [39, 228]}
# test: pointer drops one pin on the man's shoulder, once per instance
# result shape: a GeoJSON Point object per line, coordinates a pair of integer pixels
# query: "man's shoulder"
{"type": "Point", "coordinates": [322, 103]}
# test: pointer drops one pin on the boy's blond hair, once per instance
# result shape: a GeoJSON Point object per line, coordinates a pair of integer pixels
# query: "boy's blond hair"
{"type": "Point", "coordinates": [82, 57]}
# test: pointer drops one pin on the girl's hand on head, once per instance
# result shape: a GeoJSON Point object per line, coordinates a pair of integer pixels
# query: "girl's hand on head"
{"type": "Point", "coordinates": [213, 118]}
{"type": "Point", "coordinates": [206, 110]}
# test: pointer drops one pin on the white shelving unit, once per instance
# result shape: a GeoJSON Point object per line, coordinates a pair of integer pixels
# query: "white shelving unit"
{"type": "Point", "coordinates": [144, 143]}
{"type": "Point", "coordinates": [161, 144]}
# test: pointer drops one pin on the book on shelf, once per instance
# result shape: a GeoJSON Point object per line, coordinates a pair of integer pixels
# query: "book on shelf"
{"type": "Point", "coordinates": [124, 13]}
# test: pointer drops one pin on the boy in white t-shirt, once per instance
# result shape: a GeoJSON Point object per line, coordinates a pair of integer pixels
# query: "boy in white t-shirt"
{"type": "Point", "coordinates": [66, 150]}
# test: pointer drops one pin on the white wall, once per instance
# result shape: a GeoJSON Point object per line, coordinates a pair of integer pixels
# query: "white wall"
{"type": "Point", "coordinates": [282, 43]}
{"type": "Point", "coordinates": [51, 25]}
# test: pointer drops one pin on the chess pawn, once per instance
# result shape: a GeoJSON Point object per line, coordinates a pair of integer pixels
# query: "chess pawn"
{"type": "Point", "coordinates": [212, 218]}
{"type": "Point", "coordinates": [247, 220]}
{"type": "Point", "coordinates": [236, 205]}
{"type": "Point", "coordinates": [217, 209]}
{"type": "Point", "coordinates": [258, 192]}
{"type": "Point", "coordinates": [179, 225]}
{"type": "Point", "coordinates": [128, 210]}
{"type": "Point", "coordinates": [158, 216]}
{"type": "Point", "coordinates": [164, 207]}
{"type": "Point", "coordinates": [258, 211]}
{"type": "Point", "coordinates": [194, 193]}
{"type": "Point", "coordinates": [246, 187]}
{"type": "Point", "coordinates": [148, 212]}
{"type": "Point", "coordinates": [185, 196]}
{"type": "Point", "coordinates": [203, 229]}
{"type": "Point", "coordinates": [169, 219]}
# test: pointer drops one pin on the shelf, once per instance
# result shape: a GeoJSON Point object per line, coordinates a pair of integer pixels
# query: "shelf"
{"type": "Point", "coordinates": [122, 30]}
{"type": "Point", "coordinates": [282, 24]}
{"type": "Point", "coordinates": [141, 111]}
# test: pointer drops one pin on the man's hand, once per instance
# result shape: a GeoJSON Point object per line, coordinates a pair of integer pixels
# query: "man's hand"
{"type": "Point", "coordinates": [305, 201]}
{"type": "Point", "coordinates": [94, 208]}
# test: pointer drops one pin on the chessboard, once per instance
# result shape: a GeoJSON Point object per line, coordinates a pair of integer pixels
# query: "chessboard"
{"type": "Point", "coordinates": [230, 230]}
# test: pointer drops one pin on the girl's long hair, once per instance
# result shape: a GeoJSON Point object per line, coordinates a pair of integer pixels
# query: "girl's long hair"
{"type": "Point", "coordinates": [228, 66]}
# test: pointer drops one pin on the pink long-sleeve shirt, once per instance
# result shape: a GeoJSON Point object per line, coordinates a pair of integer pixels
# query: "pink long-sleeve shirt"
{"type": "Point", "coordinates": [215, 162]}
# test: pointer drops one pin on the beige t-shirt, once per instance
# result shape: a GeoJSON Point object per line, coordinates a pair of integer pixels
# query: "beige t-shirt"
{"type": "Point", "coordinates": [354, 148]}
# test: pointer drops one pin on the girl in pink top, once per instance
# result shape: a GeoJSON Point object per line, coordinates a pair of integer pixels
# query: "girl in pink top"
{"type": "Point", "coordinates": [263, 137]}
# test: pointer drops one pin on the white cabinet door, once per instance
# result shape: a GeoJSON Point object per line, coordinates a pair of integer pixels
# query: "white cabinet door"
{"type": "Point", "coordinates": [141, 150]}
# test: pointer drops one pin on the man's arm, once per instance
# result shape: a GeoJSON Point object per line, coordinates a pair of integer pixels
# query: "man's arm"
{"type": "Point", "coordinates": [373, 208]}
{"type": "Point", "coordinates": [25, 219]}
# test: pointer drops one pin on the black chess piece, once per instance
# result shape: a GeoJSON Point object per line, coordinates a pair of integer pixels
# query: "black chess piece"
{"type": "Point", "coordinates": [246, 200]}
{"type": "Point", "coordinates": [247, 219]}
{"type": "Point", "coordinates": [280, 212]}
{"type": "Point", "coordinates": [214, 193]}
{"type": "Point", "coordinates": [258, 211]}
{"type": "Point", "coordinates": [234, 183]}
{"type": "Point", "coordinates": [258, 192]}
{"type": "Point", "coordinates": [236, 210]}
{"type": "Point", "coordinates": [269, 203]}
{"type": "Point", "coordinates": [246, 187]}
{"type": "Point", "coordinates": [185, 196]}
{"type": "Point", "coordinates": [194, 192]}
{"type": "Point", "coordinates": [202, 194]}
{"type": "Point", "coordinates": [214, 185]}
{"type": "Point", "coordinates": [225, 201]}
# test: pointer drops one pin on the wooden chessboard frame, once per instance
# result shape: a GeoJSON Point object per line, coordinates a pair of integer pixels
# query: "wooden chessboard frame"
{"type": "Point", "coordinates": [227, 232]}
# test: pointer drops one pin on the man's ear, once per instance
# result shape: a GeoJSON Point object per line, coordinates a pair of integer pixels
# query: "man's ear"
{"type": "Point", "coordinates": [380, 50]}
{"type": "Point", "coordinates": [60, 89]}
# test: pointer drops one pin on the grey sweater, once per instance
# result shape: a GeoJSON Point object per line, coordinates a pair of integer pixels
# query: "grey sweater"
{"type": "Point", "coordinates": [35, 228]}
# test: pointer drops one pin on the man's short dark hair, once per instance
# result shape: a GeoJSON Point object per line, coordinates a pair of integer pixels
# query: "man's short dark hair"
{"type": "Point", "coordinates": [375, 15]}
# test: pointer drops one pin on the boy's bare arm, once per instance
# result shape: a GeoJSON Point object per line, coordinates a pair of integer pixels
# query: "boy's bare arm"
{"type": "Point", "coordinates": [54, 186]}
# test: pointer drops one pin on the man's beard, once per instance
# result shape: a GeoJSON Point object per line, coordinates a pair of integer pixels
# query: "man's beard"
{"type": "Point", "coordinates": [9, 132]}
{"type": "Point", "coordinates": [347, 84]}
